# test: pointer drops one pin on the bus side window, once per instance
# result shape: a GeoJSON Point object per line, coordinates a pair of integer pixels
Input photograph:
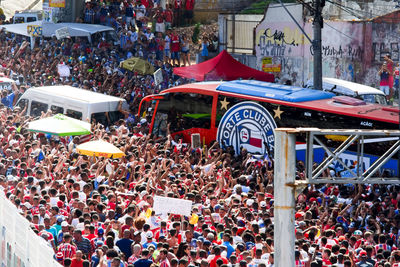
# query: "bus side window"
{"type": "Point", "coordinates": [74, 114]}
{"type": "Point", "coordinates": [57, 109]}
{"type": "Point", "coordinates": [190, 111]}
{"type": "Point", "coordinates": [37, 108]}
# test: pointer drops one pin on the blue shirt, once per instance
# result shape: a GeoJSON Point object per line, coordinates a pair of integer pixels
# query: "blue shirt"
{"type": "Point", "coordinates": [8, 100]}
{"type": "Point", "coordinates": [124, 244]}
{"type": "Point", "coordinates": [229, 249]}
{"type": "Point", "coordinates": [142, 263]}
{"type": "Point", "coordinates": [146, 245]}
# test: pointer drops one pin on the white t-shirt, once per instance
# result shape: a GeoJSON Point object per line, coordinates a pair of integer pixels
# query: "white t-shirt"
{"type": "Point", "coordinates": [167, 43]}
{"type": "Point", "coordinates": [140, 10]}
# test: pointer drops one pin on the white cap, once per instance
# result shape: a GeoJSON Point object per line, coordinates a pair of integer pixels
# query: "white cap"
{"type": "Point", "coordinates": [149, 234]}
{"type": "Point", "coordinates": [249, 202]}
{"type": "Point", "coordinates": [263, 204]}
{"type": "Point", "coordinates": [64, 224]}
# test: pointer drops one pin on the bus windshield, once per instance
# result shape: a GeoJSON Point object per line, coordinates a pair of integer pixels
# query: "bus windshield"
{"type": "Point", "coordinates": [182, 111]}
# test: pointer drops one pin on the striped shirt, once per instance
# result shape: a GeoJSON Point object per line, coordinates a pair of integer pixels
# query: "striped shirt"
{"type": "Point", "coordinates": [67, 250]}
{"type": "Point", "coordinates": [165, 263]}
{"type": "Point", "coordinates": [84, 245]}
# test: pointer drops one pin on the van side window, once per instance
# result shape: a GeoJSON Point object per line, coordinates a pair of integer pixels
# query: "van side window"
{"type": "Point", "coordinates": [74, 114]}
{"type": "Point", "coordinates": [57, 109]}
{"type": "Point", "coordinates": [22, 104]}
{"type": "Point", "coordinates": [30, 19]}
{"type": "Point", "coordinates": [19, 20]}
{"type": "Point", "coordinates": [100, 117]}
{"type": "Point", "coordinates": [37, 108]}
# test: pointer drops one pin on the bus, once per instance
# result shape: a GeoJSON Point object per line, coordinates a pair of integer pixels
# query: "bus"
{"type": "Point", "coordinates": [244, 113]}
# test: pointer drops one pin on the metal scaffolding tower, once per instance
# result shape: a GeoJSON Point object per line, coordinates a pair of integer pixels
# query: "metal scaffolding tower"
{"type": "Point", "coordinates": [285, 184]}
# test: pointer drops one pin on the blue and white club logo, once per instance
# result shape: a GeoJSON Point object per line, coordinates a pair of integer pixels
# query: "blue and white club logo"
{"type": "Point", "coordinates": [248, 125]}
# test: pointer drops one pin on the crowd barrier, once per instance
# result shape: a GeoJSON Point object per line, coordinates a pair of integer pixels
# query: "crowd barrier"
{"type": "Point", "coordinates": [20, 246]}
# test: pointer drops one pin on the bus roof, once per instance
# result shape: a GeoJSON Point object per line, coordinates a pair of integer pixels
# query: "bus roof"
{"type": "Point", "coordinates": [75, 93]}
{"type": "Point", "coordinates": [273, 91]}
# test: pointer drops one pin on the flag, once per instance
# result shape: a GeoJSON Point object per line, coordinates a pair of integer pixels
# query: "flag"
{"type": "Point", "coordinates": [194, 219]}
{"type": "Point", "coordinates": [251, 137]}
{"type": "Point", "coordinates": [148, 212]}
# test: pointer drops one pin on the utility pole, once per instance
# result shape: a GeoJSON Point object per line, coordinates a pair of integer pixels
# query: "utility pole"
{"type": "Point", "coordinates": [284, 205]}
{"type": "Point", "coordinates": [317, 43]}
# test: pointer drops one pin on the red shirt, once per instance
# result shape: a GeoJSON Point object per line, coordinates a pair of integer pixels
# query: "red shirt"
{"type": "Point", "coordinates": [189, 4]}
{"type": "Point", "coordinates": [178, 4]}
{"type": "Point", "coordinates": [76, 263]}
{"type": "Point", "coordinates": [213, 262]}
{"type": "Point", "coordinates": [174, 43]}
{"type": "Point", "coordinates": [168, 15]}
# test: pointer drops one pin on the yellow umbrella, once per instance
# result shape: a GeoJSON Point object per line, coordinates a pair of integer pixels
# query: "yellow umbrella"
{"type": "Point", "coordinates": [99, 148]}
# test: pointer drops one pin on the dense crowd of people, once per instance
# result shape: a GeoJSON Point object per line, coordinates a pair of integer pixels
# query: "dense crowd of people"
{"type": "Point", "coordinates": [98, 211]}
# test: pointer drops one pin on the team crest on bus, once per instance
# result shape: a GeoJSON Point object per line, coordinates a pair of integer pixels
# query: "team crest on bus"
{"type": "Point", "coordinates": [248, 125]}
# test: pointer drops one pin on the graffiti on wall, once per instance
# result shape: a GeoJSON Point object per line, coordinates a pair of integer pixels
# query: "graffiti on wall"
{"type": "Point", "coordinates": [279, 49]}
{"type": "Point", "coordinates": [285, 46]}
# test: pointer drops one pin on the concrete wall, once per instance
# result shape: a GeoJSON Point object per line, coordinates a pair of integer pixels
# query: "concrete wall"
{"type": "Point", "coordinates": [208, 10]}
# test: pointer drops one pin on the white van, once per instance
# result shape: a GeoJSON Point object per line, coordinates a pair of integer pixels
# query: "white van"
{"type": "Point", "coordinates": [27, 16]}
{"type": "Point", "coordinates": [356, 90]}
{"type": "Point", "coordinates": [74, 102]}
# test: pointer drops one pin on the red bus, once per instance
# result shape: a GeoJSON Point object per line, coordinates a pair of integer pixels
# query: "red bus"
{"type": "Point", "coordinates": [244, 113]}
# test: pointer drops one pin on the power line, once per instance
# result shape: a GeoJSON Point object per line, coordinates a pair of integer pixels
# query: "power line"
{"type": "Point", "coordinates": [330, 26]}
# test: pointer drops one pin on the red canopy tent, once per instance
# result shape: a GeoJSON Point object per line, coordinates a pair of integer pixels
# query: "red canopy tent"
{"type": "Point", "coordinates": [222, 67]}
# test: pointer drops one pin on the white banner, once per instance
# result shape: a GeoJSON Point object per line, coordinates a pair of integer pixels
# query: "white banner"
{"type": "Point", "coordinates": [163, 205]}
{"type": "Point", "coordinates": [62, 33]}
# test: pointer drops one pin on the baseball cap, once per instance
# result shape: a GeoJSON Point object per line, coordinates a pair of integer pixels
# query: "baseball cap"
{"type": "Point", "coordinates": [149, 234]}
{"type": "Point", "coordinates": [357, 232]}
{"type": "Point", "coordinates": [64, 224]}
{"type": "Point", "coordinates": [263, 204]}
{"type": "Point", "coordinates": [249, 202]}
{"type": "Point", "coordinates": [363, 253]}
{"type": "Point", "coordinates": [60, 204]}
{"type": "Point", "coordinates": [100, 231]}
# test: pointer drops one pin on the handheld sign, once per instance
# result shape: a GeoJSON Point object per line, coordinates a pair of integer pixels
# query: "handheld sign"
{"type": "Point", "coordinates": [164, 205]}
{"type": "Point", "coordinates": [158, 77]}
{"type": "Point", "coordinates": [63, 70]}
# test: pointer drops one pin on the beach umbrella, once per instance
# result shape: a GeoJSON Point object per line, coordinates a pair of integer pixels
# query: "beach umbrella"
{"type": "Point", "coordinates": [60, 125]}
{"type": "Point", "coordinates": [139, 65]}
{"type": "Point", "coordinates": [99, 148]}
